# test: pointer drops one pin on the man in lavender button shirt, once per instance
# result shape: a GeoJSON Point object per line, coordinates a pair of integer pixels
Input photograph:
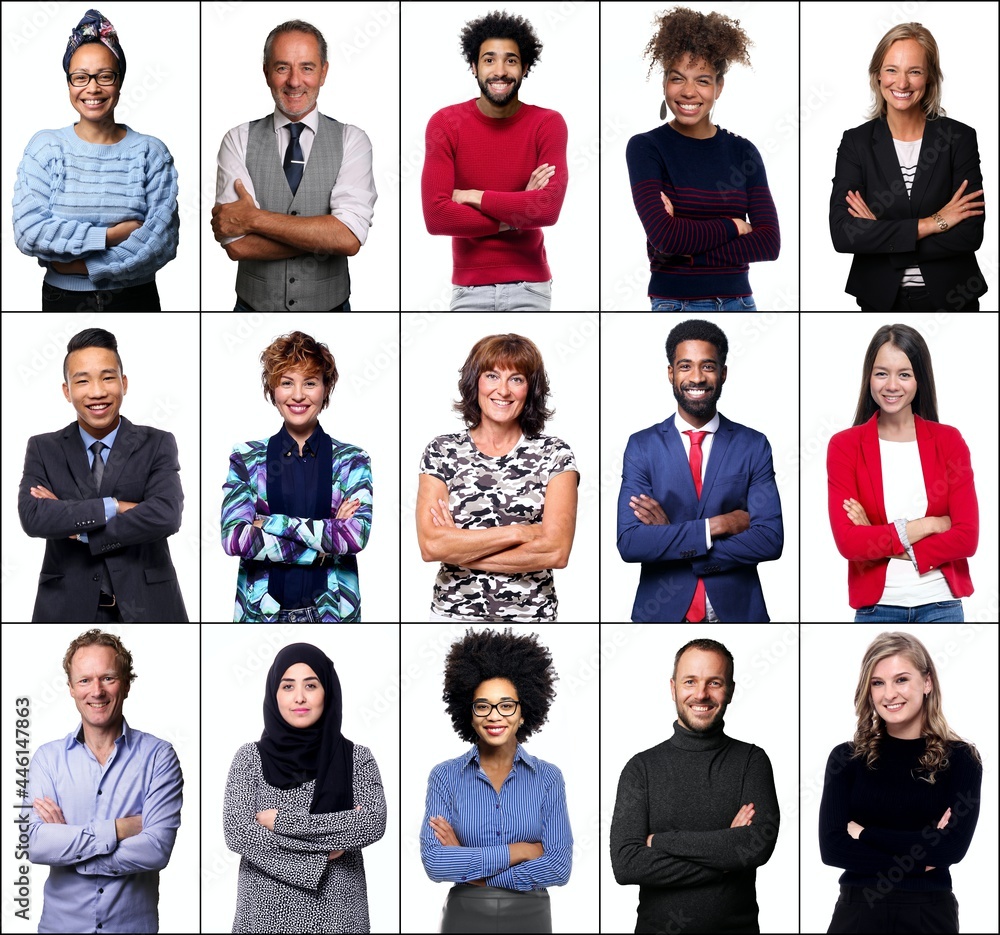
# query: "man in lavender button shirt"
{"type": "Point", "coordinates": [106, 803]}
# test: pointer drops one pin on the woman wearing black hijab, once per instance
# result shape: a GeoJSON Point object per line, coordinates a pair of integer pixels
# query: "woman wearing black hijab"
{"type": "Point", "coordinates": [300, 804]}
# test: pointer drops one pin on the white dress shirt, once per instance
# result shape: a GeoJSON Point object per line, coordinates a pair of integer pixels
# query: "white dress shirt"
{"type": "Point", "coordinates": [712, 426]}
{"type": "Point", "coordinates": [352, 200]}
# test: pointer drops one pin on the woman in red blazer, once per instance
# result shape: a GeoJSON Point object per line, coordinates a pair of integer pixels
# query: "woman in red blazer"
{"type": "Point", "coordinates": [902, 499]}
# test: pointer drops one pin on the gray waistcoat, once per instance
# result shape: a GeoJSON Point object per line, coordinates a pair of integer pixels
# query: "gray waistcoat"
{"type": "Point", "coordinates": [312, 282]}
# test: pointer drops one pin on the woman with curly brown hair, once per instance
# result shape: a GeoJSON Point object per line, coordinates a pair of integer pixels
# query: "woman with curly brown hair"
{"type": "Point", "coordinates": [496, 505]}
{"type": "Point", "coordinates": [694, 184]}
{"type": "Point", "coordinates": [497, 688]}
{"type": "Point", "coordinates": [900, 803]}
{"type": "Point", "coordinates": [298, 505]}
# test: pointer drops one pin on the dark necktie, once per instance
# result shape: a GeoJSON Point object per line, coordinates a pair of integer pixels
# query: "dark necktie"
{"type": "Point", "coordinates": [97, 468]}
{"type": "Point", "coordinates": [294, 160]}
{"type": "Point", "coordinates": [696, 612]}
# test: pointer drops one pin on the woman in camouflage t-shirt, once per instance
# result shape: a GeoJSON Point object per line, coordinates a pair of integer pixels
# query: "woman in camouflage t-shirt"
{"type": "Point", "coordinates": [496, 504]}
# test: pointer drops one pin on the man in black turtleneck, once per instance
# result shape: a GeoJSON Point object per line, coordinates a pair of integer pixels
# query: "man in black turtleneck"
{"type": "Point", "coordinates": [697, 814]}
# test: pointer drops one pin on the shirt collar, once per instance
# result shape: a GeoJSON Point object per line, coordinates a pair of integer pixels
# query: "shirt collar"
{"type": "Point", "coordinates": [310, 120]}
{"type": "Point", "coordinates": [472, 756]}
{"type": "Point", "coordinates": [289, 446]}
{"type": "Point", "coordinates": [76, 737]}
{"type": "Point", "coordinates": [711, 426]}
{"type": "Point", "coordinates": [108, 439]}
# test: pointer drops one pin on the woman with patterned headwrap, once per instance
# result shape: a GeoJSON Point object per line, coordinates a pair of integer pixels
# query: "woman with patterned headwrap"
{"type": "Point", "coordinates": [298, 505]}
{"type": "Point", "coordinates": [96, 202]}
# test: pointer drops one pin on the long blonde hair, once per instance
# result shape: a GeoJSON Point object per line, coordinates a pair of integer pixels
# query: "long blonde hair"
{"type": "Point", "coordinates": [938, 735]}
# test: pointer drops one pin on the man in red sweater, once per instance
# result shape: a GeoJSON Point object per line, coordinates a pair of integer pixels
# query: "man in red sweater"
{"type": "Point", "coordinates": [495, 174]}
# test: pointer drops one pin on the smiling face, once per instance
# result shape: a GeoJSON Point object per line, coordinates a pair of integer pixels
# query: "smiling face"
{"type": "Point", "coordinates": [300, 696]}
{"type": "Point", "coordinates": [898, 691]}
{"type": "Point", "coordinates": [691, 88]}
{"type": "Point", "coordinates": [97, 687]}
{"type": "Point", "coordinates": [294, 73]}
{"type": "Point", "coordinates": [499, 71]}
{"type": "Point", "coordinates": [893, 385]}
{"type": "Point", "coordinates": [496, 730]}
{"type": "Point", "coordinates": [700, 689]}
{"type": "Point", "coordinates": [94, 101]}
{"type": "Point", "coordinates": [903, 76]}
{"type": "Point", "coordinates": [502, 394]}
{"type": "Point", "coordinates": [697, 379]}
{"type": "Point", "coordinates": [299, 398]}
{"type": "Point", "coordinates": [96, 388]}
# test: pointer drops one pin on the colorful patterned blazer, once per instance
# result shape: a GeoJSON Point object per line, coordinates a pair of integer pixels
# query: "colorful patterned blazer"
{"type": "Point", "coordinates": [292, 539]}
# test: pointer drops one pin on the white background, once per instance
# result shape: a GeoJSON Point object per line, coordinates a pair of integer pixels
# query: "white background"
{"type": "Point", "coordinates": [160, 80]}
{"type": "Point", "coordinates": [831, 387]}
{"type": "Point", "coordinates": [434, 348]}
{"type": "Point", "coordinates": [831, 664]}
{"type": "Point", "coordinates": [362, 88]}
{"type": "Point", "coordinates": [758, 105]}
{"type": "Point", "coordinates": [565, 79]}
{"type": "Point", "coordinates": [165, 659]}
{"type": "Point", "coordinates": [363, 411]}
{"type": "Point", "coordinates": [761, 392]}
{"type": "Point", "coordinates": [563, 741]}
{"type": "Point", "coordinates": [159, 363]}
{"type": "Point", "coordinates": [637, 713]}
{"type": "Point", "coordinates": [235, 662]}
{"type": "Point", "coordinates": [835, 97]}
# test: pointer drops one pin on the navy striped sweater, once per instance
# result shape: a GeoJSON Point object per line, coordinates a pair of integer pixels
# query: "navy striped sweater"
{"type": "Point", "coordinates": [698, 252]}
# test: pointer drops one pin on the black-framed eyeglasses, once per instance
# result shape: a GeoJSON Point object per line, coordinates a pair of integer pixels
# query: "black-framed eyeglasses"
{"type": "Point", "coordinates": [80, 79]}
{"type": "Point", "coordinates": [485, 709]}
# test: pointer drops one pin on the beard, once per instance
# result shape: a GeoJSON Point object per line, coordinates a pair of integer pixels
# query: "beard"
{"type": "Point", "coordinates": [503, 99]}
{"type": "Point", "coordinates": [699, 408]}
{"type": "Point", "coordinates": [700, 727]}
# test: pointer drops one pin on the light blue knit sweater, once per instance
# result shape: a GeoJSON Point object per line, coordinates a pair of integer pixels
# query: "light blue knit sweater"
{"type": "Point", "coordinates": [69, 192]}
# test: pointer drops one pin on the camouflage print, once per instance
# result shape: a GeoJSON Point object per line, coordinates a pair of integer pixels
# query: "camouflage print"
{"type": "Point", "coordinates": [483, 493]}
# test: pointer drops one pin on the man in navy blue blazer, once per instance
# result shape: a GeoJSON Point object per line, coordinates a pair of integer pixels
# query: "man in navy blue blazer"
{"type": "Point", "coordinates": [698, 506]}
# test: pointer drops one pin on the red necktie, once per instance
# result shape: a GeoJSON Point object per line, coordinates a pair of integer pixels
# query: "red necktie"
{"type": "Point", "coordinates": [696, 612]}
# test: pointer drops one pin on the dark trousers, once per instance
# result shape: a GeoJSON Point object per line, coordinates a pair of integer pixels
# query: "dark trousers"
{"type": "Point", "coordinates": [860, 910]}
{"type": "Point", "coordinates": [475, 909]}
{"type": "Point", "coordinates": [911, 299]}
{"type": "Point", "coordinates": [143, 298]}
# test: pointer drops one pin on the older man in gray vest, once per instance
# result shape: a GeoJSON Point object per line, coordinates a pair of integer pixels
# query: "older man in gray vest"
{"type": "Point", "coordinates": [295, 190]}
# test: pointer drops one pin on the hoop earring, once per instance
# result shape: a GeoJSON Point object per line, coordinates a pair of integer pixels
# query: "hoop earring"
{"type": "Point", "coordinates": [663, 110]}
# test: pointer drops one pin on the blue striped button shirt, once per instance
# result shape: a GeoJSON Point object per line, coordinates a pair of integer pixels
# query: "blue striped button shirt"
{"type": "Point", "coordinates": [96, 882]}
{"type": "Point", "coordinates": [530, 807]}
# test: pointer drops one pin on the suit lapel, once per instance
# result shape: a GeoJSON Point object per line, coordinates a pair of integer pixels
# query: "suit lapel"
{"type": "Point", "coordinates": [888, 163]}
{"type": "Point", "coordinates": [927, 448]}
{"type": "Point", "coordinates": [677, 455]}
{"type": "Point", "coordinates": [126, 441]}
{"type": "Point", "coordinates": [925, 166]}
{"type": "Point", "coordinates": [719, 445]}
{"type": "Point", "coordinates": [77, 460]}
{"type": "Point", "coordinates": [873, 462]}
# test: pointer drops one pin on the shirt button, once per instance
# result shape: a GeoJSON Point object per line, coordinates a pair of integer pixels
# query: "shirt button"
{"type": "Point", "coordinates": [101, 890]}
{"type": "Point", "coordinates": [100, 925]}
{"type": "Point", "coordinates": [79, 857]}
{"type": "Point", "coordinates": [291, 301]}
{"type": "Point", "coordinates": [100, 792]}
{"type": "Point", "coordinates": [291, 279]}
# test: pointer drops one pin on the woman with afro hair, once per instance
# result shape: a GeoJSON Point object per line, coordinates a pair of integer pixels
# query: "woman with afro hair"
{"type": "Point", "coordinates": [496, 823]}
{"type": "Point", "coordinates": [694, 184]}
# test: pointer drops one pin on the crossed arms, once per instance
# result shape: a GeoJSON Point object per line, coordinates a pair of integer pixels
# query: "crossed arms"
{"type": "Point", "coordinates": [648, 856]}
{"type": "Point", "coordinates": [516, 547]}
{"type": "Point", "coordinates": [132, 843]}
{"type": "Point", "coordinates": [292, 844]}
{"type": "Point", "coordinates": [156, 515]}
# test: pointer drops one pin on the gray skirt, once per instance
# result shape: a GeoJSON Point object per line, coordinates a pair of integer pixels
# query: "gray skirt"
{"type": "Point", "coordinates": [475, 909]}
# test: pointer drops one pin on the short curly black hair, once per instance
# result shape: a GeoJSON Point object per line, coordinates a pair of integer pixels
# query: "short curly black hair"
{"type": "Point", "coordinates": [488, 654]}
{"type": "Point", "coordinates": [501, 26]}
{"type": "Point", "coordinates": [697, 329]}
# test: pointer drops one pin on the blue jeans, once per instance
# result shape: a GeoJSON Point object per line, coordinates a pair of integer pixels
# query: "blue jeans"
{"type": "Point", "coordinates": [739, 304]}
{"type": "Point", "coordinates": [299, 615]}
{"type": "Point", "coordinates": [941, 612]}
{"type": "Point", "coordinates": [503, 297]}
{"type": "Point", "coordinates": [240, 307]}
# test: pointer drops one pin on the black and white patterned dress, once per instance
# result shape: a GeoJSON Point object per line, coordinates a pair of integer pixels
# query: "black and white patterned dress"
{"type": "Point", "coordinates": [286, 882]}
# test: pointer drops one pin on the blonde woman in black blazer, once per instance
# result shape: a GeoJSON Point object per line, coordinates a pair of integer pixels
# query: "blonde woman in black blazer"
{"type": "Point", "coordinates": [908, 192]}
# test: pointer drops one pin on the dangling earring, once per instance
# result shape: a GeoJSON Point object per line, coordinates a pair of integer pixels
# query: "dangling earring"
{"type": "Point", "coordinates": [663, 110]}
